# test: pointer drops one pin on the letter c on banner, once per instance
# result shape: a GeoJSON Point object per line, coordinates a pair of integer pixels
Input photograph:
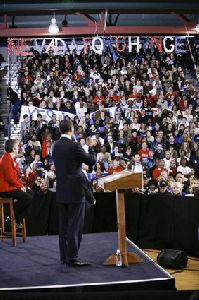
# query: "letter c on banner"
{"type": "Point", "coordinates": [117, 45]}
{"type": "Point", "coordinates": [98, 51]}
{"type": "Point", "coordinates": [164, 44]}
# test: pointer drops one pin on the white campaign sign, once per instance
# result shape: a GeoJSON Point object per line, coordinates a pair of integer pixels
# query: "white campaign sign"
{"type": "Point", "coordinates": [33, 111]}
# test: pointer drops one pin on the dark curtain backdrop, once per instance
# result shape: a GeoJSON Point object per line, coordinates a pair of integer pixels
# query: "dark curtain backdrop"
{"type": "Point", "coordinates": [154, 221]}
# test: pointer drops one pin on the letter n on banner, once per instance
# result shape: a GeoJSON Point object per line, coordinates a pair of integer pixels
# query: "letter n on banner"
{"type": "Point", "coordinates": [158, 42]}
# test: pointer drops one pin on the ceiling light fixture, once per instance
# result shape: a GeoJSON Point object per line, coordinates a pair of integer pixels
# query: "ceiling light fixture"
{"type": "Point", "coordinates": [53, 28]}
{"type": "Point", "coordinates": [65, 22]}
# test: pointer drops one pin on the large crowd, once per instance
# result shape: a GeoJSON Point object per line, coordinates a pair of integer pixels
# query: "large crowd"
{"type": "Point", "coordinates": [140, 110]}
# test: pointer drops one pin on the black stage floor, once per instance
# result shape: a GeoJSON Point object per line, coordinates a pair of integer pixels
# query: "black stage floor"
{"type": "Point", "coordinates": [35, 265]}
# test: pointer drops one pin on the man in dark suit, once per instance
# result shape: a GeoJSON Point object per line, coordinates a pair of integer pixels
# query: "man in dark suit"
{"type": "Point", "coordinates": [68, 157]}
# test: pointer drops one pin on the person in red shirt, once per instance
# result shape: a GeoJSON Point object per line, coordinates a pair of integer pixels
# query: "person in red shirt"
{"type": "Point", "coordinates": [144, 151]}
{"type": "Point", "coordinates": [99, 98]}
{"type": "Point", "coordinates": [158, 169]}
{"type": "Point", "coordinates": [115, 168]}
{"type": "Point", "coordinates": [10, 183]}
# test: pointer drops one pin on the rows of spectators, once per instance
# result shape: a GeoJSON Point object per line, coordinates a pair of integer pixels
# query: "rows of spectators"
{"type": "Point", "coordinates": [140, 110]}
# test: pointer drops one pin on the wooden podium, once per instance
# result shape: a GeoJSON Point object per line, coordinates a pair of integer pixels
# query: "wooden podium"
{"type": "Point", "coordinates": [120, 182]}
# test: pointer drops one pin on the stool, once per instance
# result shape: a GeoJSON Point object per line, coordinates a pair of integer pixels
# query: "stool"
{"type": "Point", "coordinates": [13, 232]}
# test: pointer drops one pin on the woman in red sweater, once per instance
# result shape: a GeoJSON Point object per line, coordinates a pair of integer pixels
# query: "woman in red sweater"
{"type": "Point", "coordinates": [10, 183]}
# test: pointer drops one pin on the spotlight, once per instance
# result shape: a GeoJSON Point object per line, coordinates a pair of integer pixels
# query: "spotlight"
{"type": "Point", "coordinates": [53, 28]}
{"type": "Point", "coordinates": [197, 28]}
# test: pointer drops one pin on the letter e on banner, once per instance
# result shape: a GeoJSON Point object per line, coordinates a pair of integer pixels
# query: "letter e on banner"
{"type": "Point", "coordinates": [179, 45]}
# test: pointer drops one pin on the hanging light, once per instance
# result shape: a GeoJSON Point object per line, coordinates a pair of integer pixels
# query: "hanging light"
{"type": "Point", "coordinates": [65, 22]}
{"type": "Point", "coordinates": [53, 28]}
{"type": "Point", "coordinates": [197, 28]}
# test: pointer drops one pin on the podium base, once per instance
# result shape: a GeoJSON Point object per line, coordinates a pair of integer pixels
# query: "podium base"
{"type": "Point", "coordinates": [130, 259]}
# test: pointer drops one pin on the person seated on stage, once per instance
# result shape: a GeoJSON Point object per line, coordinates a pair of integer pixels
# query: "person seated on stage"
{"type": "Point", "coordinates": [11, 185]}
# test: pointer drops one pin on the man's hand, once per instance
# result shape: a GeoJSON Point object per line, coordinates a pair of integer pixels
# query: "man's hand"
{"type": "Point", "coordinates": [23, 189]}
{"type": "Point", "coordinates": [89, 142]}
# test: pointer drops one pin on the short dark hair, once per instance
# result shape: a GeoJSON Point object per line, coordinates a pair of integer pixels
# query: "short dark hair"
{"type": "Point", "coordinates": [9, 145]}
{"type": "Point", "coordinates": [66, 126]}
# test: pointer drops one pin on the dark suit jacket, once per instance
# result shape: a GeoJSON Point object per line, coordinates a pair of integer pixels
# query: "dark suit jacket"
{"type": "Point", "coordinates": [90, 198]}
{"type": "Point", "coordinates": [68, 157]}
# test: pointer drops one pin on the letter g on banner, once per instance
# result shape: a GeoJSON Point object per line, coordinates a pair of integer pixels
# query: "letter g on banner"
{"type": "Point", "coordinates": [165, 46]}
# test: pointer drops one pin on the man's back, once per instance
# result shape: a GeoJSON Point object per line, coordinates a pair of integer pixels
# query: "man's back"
{"type": "Point", "coordinates": [68, 157]}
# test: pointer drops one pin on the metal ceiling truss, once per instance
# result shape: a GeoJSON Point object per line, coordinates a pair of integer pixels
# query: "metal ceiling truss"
{"type": "Point", "coordinates": [106, 24]}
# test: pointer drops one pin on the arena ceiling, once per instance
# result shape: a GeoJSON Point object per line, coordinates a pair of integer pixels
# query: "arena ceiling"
{"type": "Point", "coordinates": [32, 18]}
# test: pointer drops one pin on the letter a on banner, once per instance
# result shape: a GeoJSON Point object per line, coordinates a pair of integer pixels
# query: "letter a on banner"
{"type": "Point", "coordinates": [51, 45]}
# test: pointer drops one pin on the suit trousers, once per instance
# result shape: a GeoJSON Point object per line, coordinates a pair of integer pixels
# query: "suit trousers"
{"type": "Point", "coordinates": [23, 204]}
{"type": "Point", "coordinates": [71, 223]}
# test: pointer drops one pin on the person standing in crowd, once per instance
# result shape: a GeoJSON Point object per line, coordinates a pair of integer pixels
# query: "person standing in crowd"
{"type": "Point", "coordinates": [11, 184]}
{"type": "Point", "coordinates": [68, 157]}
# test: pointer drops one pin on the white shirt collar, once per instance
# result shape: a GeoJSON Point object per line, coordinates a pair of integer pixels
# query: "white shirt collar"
{"type": "Point", "coordinates": [84, 172]}
{"type": "Point", "coordinates": [67, 136]}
